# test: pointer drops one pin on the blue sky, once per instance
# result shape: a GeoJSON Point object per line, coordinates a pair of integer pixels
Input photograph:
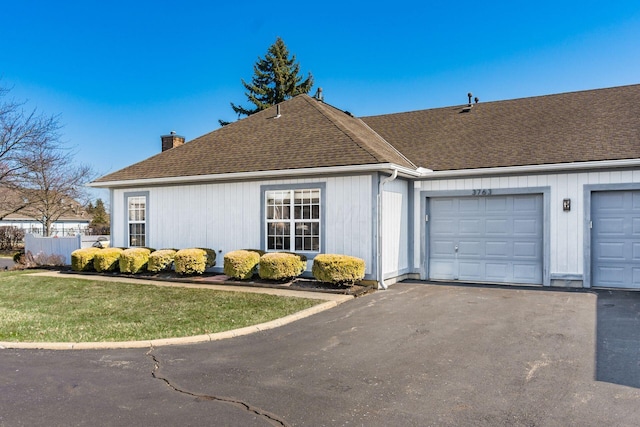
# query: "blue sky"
{"type": "Point", "coordinates": [120, 74]}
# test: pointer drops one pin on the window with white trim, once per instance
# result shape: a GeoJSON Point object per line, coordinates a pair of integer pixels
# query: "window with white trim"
{"type": "Point", "coordinates": [136, 220]}
{"type": "Point", "coordinates": [293, 220]}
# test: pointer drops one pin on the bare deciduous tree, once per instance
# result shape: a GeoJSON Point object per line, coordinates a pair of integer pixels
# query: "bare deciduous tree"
{"type": "Point", "coordinates": [52, 184]}
{"type": "Point", "coordinates": [37, 175]}
{"type": "Point", "coordinates": [20, 130]}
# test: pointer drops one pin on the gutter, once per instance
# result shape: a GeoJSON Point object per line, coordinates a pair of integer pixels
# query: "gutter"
{"type": "Point", "coordinates": [379, 272]}
{"type": "Point", "coordinates": [368, 168]}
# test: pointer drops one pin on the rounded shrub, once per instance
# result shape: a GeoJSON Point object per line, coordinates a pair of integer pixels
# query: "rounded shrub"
{"type": "Point", "coordinates": [161, 260]}
{"type": "Point", "coordinates": [134, 260]}
{"type": "Point", "coordinates": [241, 264]}
{"type": "Point", "coordinates": [190, 261]}
{"type": "Point", "coordinates": [82, 259]}
{"type": "Point", "coordinates": [338, 269]}
{"type": "Point", "coordinates": [280, 265]}
{"type": "Point", "coordinates": [107, 259]}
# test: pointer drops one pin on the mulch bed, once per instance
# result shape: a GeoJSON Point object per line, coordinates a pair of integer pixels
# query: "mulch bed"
{"type": "Point", "coordinates": [302, 284]}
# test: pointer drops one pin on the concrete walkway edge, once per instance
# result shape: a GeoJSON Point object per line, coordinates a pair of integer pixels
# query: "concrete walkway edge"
{"type": "Point", "coordinates": [331, 300]}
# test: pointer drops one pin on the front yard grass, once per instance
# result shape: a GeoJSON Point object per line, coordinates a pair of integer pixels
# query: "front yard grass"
{"type": "Point", "coordinates": [47, 309]}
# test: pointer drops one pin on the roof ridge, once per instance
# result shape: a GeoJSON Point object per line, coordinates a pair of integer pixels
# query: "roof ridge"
{"type": "Point", "coordinates": [498, 101]}
{"type": "Point", "coordinates": [352, 135]}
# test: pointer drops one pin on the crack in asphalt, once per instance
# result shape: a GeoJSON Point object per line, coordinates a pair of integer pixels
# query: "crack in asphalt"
{"type": "Point", "coordinates": [269, 417]}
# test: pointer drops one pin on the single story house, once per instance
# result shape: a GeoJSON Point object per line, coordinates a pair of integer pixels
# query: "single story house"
{"type": "Point", "coordinates": [542, 190]}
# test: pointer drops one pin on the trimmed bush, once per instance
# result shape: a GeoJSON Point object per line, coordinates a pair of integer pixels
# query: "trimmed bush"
{"type": "Point", "coordinates": [134, 260]}
{"type": "Point", "coordinates": [211, 257]}
{"type": "Point", "coordinates": [190, 261]}
{"type": "Point", "coordinates": [107, 259]}
{"type": "Point", "coordinates": [338, 269]}
{"type": "Point", "coordinates": [82, 259]}
{"type": "Point", "coordinates": [161, 260]}
{"type": "Point", "coordinates": [241, 264]}
{"type": "Point", "coordinates": [280, 265]}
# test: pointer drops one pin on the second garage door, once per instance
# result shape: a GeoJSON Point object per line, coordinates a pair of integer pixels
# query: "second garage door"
{"type": "Point", "coordinates": [615, 245]}
{"type": "Point", "coordinates": [494, 239]}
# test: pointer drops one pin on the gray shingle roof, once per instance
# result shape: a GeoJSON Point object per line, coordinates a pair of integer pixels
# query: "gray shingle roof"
{"type": "Point", "coordinates": [308, 134]}
{"type": "Point", "coordinates": [601, 124]}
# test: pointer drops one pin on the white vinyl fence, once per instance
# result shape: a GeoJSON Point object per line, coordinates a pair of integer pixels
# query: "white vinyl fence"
{"type": "Point", "coordinates": [61, 246]}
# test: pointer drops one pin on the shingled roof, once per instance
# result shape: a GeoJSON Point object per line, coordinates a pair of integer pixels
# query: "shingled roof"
{"type": "Point", "coordinates": [307, 134]}
{"type": "Point", "coordinates": [601, 124]}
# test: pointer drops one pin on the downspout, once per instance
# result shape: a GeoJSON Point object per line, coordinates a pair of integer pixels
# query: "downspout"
{"type": "Point", "coordinates": [379, 278]}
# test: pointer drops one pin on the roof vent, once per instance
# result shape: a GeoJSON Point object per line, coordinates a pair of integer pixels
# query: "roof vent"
{"type": "Point", "coordinates": [319, 96]}
{"type": "Point", "coordinates": [278, 115]}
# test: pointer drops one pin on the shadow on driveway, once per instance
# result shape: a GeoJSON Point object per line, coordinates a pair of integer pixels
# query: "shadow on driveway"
{"type": "Point", "coordinates": [618, 338]}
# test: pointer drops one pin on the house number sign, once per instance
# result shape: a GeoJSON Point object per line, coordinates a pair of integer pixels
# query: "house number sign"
{"type": "Point", "coordinates": [481, 192]}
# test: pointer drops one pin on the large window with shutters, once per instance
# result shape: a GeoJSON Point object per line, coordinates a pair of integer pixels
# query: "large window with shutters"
{"type": "Point", "coordinates": [293, 219]}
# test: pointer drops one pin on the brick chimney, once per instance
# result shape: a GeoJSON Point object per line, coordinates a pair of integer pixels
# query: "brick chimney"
{"type": "Point", "coordinates": [171, 141]}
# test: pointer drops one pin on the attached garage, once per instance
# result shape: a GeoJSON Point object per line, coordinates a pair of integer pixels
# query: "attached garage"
{"type": "Point", "coordinates": [491, 238]}
{"type": "Point", "coordinates": [615, 239]}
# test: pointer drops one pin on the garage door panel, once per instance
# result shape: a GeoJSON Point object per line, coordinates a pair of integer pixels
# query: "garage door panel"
{"type": "Point", "coordinates": [492, 233]}
{"type": "Point", "coordinates": [613, 226]}
{"type": "Point", "coordinates": [615, 239]}
{"type": "Point", "coordinates": [525, 205]}
{"type": "Point", "coordinates": [525, 273]}
{"type": "Point", "coordinates": [495, 271]}
{"type": "Point", "coordinates": [525, 227]}
{"type": "Point", "coordinates": [470, 271]}
{"type": "Point", "coordinates": [525, 250]}
{"type": "Point", "coordinates": [445, 226]}
{"type": "Point", "coordinates": [468, 205]}
{"type": "Point", "coordinates": [498, 227]}
{"type": "Point", "coordinates": [443, 247]}
{"type": "Point", "coordinates": [497, 204]}
{"type": "Point", "coordinates": [443, 269]}
{"type": "Point", "coordinates": [470, 226]}
{"type": "Point", "coordinates": [611, 251]}
{"type": "Point", "coordinates": [501, 249]}
{"type": "Point", "coordinates": [470, 248]}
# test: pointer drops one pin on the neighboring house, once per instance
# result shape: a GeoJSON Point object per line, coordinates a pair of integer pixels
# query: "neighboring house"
{"type": "Point", "coordinates": [67, 225]}
{"type": "Point", "coordinates": [74, 219]}
{"type": "Point", "coordinates": [542, 190]}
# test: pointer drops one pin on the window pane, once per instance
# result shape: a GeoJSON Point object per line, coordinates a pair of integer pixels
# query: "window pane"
{"type": "Point", "coordinates": [278, 235]}
{"type": "Point", "coordinates": [307, 236]}
{"type": "Point", "coordinates": [293, 217]}
{"type": "Point", "coordinates": [307, 204]}
{"type": "Point", "coordinates": [278, 204]}
{"type": "Point", "coordinates": [136, 208]}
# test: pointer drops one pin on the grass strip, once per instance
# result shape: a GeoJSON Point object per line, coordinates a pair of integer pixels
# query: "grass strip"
{"type": "Point", "coordinates": [47, 309]}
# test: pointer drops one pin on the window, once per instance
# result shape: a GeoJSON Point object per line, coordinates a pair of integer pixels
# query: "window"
{"type": "Point", "coordinates": [136, 219]}
{"type": "Point", "coordinates": [293, 220]}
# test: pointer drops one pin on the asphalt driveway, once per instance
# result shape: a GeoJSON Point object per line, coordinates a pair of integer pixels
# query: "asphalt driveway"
{"type": "Point", "coordinates": [413, 355]}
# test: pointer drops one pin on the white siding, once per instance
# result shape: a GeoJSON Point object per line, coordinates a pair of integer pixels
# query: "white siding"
{"type": "Point", "coordinates": [227, 216]}
{"type": "Point", "coordinates": [395, 228]}
{"type": "Point", "coordinates": [566, 229]}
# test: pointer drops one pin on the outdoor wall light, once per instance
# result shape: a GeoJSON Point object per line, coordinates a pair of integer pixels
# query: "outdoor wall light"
{"type": "Point", "coordinates": [566, 205]}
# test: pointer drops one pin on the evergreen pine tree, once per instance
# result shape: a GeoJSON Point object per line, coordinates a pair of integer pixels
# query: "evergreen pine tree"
{"type": "Point", "coordinates": [276, 79]}
{"type": "Point", "coordinates": [100, 217]}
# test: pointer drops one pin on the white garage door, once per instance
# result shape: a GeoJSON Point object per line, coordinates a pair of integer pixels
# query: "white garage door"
{"type": "Point", "coordinates": [615, 239]}
{"type": "Point", "coordinates": [486, 239]}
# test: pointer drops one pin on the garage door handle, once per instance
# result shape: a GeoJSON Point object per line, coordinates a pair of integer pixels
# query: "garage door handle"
{"type": "Point", "coordinates": [456, 248]}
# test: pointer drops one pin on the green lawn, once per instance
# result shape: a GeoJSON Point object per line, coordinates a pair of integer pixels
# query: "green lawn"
{"type": "Point", "coordinates": [45, 309]}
